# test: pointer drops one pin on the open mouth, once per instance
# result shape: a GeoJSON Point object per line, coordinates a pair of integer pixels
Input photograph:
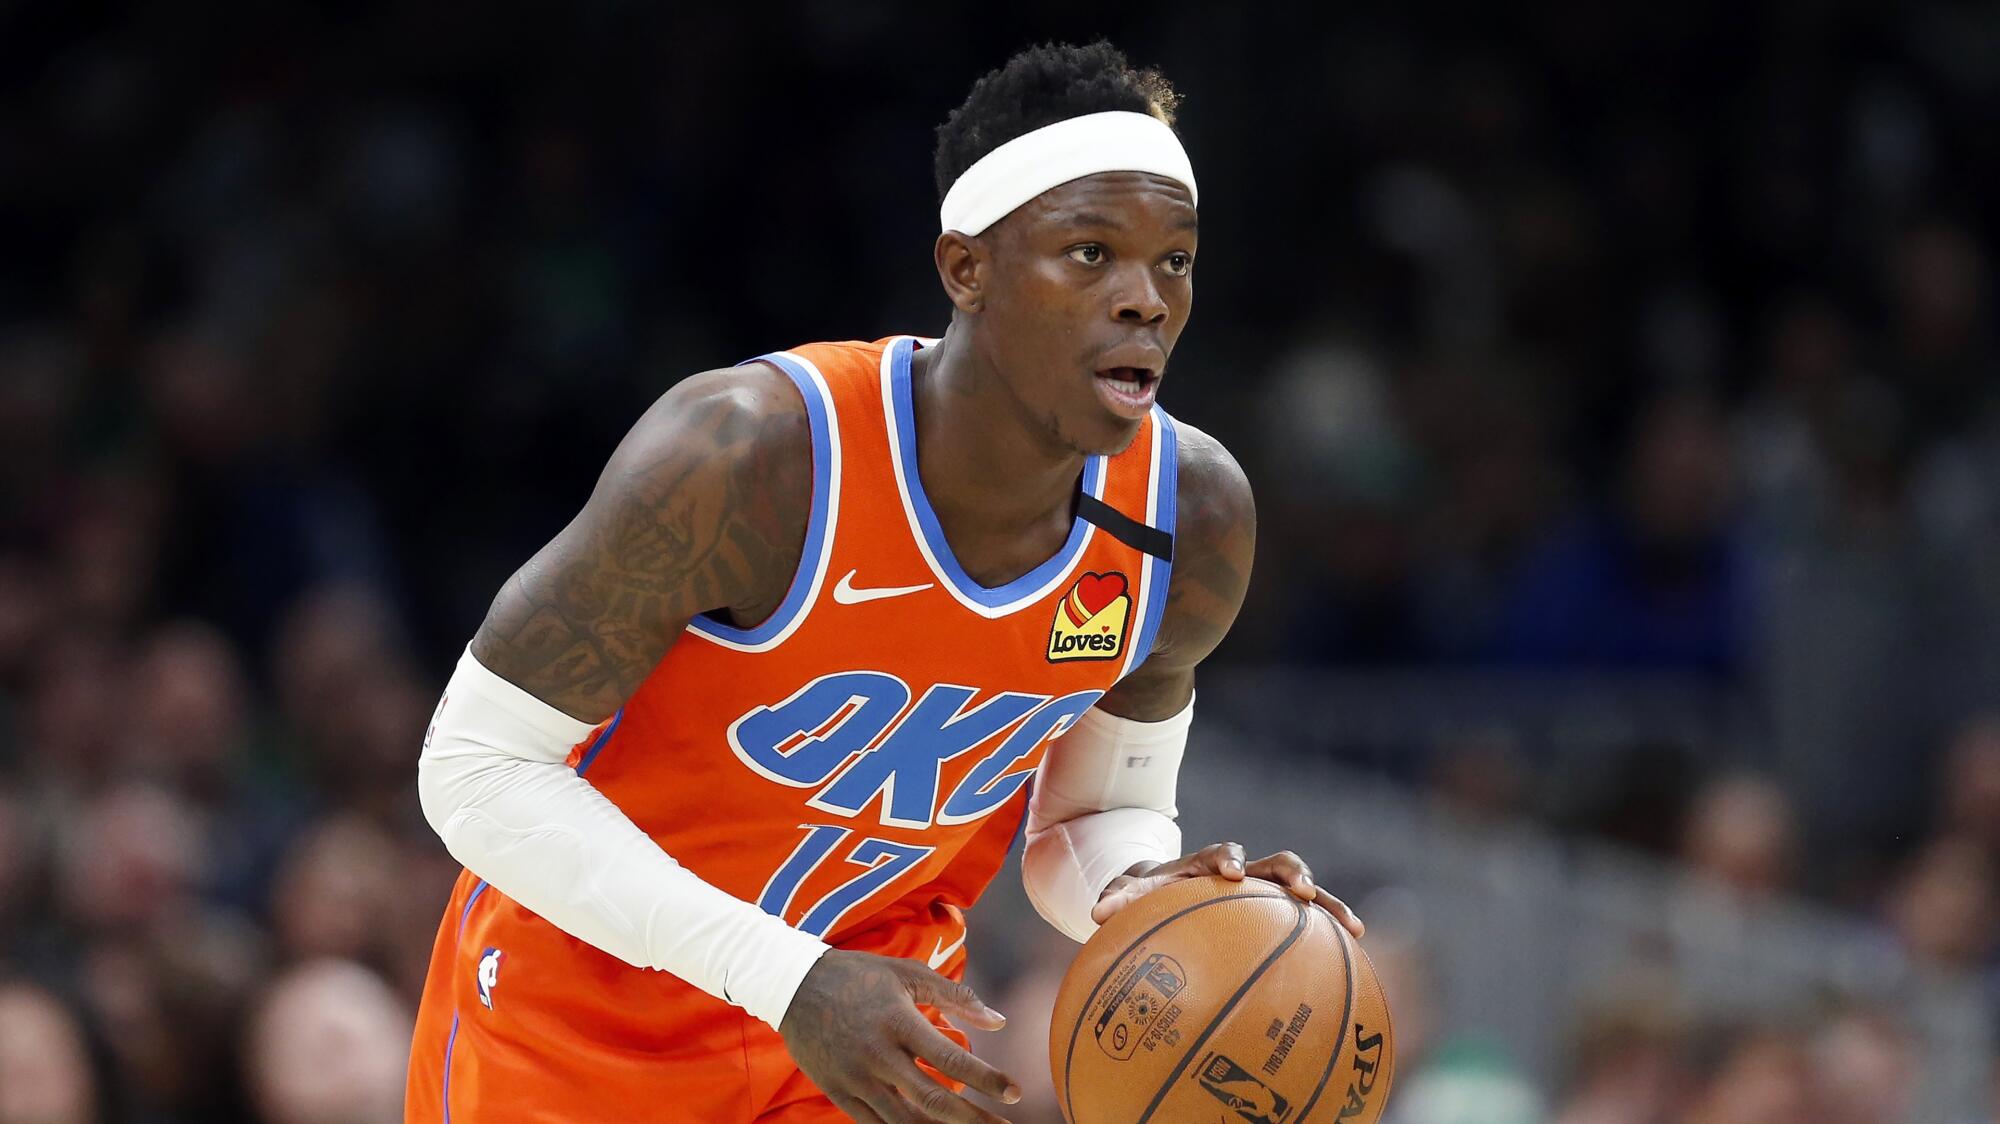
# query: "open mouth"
{"type": "Point", "coordinates": [1131, 380]}
{"type": "Point", "coordinates": [1129, 389]}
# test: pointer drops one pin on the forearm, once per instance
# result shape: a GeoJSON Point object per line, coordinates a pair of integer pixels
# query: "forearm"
{"type": "Point", "coordinates": [1067, 865]}
{"type": "Point", "coordinates": [1104, 803]}
{"type": "Point", "coordinates": [496, 787]}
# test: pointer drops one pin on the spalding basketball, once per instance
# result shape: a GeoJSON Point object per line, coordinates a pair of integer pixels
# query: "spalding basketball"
{"type": "Point", "coordinates": [1221, 1002]}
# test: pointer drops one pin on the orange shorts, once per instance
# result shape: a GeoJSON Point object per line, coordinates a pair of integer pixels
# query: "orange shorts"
{"type": "Point", "coordinates": [523, 1023]}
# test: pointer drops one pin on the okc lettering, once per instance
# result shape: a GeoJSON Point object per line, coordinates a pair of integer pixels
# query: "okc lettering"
{"type": "Point", "coordinates": [855, 735]}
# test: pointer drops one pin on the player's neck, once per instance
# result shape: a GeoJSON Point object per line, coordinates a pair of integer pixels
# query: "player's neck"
{"type": "Point", "coordinates": [980, 454]}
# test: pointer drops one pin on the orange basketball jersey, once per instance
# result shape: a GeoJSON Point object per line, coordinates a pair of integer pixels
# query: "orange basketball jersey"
{"type": "Point", "coordinates": [857, 764]}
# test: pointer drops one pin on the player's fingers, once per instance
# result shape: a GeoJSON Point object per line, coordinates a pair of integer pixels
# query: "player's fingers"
{"type": "Point", "coordinates": [857, 1108]}
{"type": "Point", "coordinates": [959, 1063]}
{"type": "Point", "coordinates": [949, 995]}
{"type": "Point", "coordinates": [929, 1100]}
{"type": "Point", "coordinates": [870, 1084]}
{"type": "Point", "coordinates": [1225, 859]}
{"type": "Point", "coordinates": [1121, 891]}
{"type": "Point", "coordinates": [888, 1105]}
{"type": "Point", "coordinates": [1287, 869]}
{"type": "Point", "coordinates": [1347, 917]}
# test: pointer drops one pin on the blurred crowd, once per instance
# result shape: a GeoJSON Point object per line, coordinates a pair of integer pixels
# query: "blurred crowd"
{"type": "Point", "coordinates": [1565, 340]}
{"type": "Point", "coordinates": [1733, 1008]}
{"type": "Point", "coordinates": [216, 901]}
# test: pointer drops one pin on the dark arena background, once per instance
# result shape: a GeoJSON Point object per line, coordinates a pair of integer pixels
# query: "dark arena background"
{"type": "Point", "coordinates": [1619, 386]}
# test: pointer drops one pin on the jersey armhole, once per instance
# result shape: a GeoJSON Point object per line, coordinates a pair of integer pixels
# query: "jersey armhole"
{"type": "Point", "coordinates": [811, 574]}
{"type": "Point", "coordinates": [1155, 572]}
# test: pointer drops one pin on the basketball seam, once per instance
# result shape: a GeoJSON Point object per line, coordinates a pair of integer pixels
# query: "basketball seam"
{"type": "Point", "coordinates": [1069, 1053]}
{"type": "Point", "coordinates": [1340, 1040]}
{"type": "Point", "coordinates": [1174, 1075]}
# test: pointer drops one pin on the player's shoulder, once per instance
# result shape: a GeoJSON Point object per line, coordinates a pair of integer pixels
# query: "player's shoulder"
{"type": "Point", "coordinates": [760, 409]}
{"type": "Point", "coordinates": [1215, 539]}
{"type": "Point", "coordinates": [753, 410]}
{"type": "Point", "coordinates": [734, 442]}
{"type": "Point", "coordinates": [1213, 494]}
{"type": "Point", "coordinates": [758, 389]}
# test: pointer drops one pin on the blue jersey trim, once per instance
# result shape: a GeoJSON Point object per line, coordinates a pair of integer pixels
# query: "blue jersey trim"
{"type": "Point", "coordinates": [1164, 490]}
{"type": "Point", "coordinates": [1021, 828]}
{"type": "Point", "coordinates": [933, 531]}
{"type": "Point", "coordinates": [466, 915]}
{"type": "Point", "coordinates": [603, 739]}
{"type": "Point", "coordinates": [817, 412]}
{"type": "Point", "coordinates": [450, 1045]}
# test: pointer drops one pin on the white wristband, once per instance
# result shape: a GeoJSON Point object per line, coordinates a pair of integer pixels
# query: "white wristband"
{"type": "Point", "coordinates": [1104, 800]}
{"type": "Point", "coordinates": [497, 788]}
{"type": "Point", "coordinates": [1066, 866]}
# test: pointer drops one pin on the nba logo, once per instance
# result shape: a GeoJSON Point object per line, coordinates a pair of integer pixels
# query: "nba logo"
{"type": "Point", "coordinates": [488, 976]}
{"type": "Point", "coordinates": [1233, 1085]}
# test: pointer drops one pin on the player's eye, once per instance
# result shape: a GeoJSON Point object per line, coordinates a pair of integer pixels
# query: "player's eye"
{"type": "Point", "coordinates": [1090, 253]}
{"type": "Point", "coordinates": [1179, 264]}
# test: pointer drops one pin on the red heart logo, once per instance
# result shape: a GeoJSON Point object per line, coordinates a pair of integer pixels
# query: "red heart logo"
{"type": "Point", "coordinates": [1096, 591]}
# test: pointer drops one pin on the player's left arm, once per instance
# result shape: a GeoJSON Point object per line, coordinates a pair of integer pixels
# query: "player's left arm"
{"type": "Point", "coordinates": [1214, 543]}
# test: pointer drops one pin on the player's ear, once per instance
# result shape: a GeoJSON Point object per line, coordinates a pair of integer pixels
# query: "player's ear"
{"type": "Point", "coordinates": [962, 267]}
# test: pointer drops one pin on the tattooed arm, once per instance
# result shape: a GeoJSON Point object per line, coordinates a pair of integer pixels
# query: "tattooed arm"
{"type": "Point", "coordinates": [670, 529]}
{"type": "Point", "coordinates": [1213, 546]}
{"type": "Point", "coordinates": [702, 507]}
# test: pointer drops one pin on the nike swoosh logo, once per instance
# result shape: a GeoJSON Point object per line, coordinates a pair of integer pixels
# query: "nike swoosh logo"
{"type": "Point", "coordinates": [940, 954]}
{"type": "Point", "coordinates": [845, 593]}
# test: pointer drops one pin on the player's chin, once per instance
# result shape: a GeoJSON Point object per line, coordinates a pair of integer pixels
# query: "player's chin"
{"type": "Point", "coordinates": [1096, 429]}
{"type": "Point", "coordinates": [1105, 434]}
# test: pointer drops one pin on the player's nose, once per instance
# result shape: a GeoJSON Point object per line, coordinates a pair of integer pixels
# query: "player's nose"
{"type": "Point", "coordinates": [1139, 300]}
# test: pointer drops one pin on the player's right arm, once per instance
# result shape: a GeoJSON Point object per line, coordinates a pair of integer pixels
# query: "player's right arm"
{"type": "Point", "coordinates": [703, 507]}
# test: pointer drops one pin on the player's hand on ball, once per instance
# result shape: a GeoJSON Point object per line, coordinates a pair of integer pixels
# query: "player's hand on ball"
{"type": "Point", "coordinates": [855, 1030]}
{"type": "Point", "coordinates": [1226, 859]}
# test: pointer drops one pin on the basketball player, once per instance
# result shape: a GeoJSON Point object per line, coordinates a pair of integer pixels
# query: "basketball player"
{"type": "Point", "coordinates": [729, 756]}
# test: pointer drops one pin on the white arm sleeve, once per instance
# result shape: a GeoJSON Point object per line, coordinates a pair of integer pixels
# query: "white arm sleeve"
{"type": "Point", "coordinates": [1104, 800]}
{"type": "Point", "coordinates": [496, 787]}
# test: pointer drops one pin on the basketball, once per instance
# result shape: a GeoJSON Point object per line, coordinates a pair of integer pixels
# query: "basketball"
{"type": "Point", "coordinates": [1217, 1001]}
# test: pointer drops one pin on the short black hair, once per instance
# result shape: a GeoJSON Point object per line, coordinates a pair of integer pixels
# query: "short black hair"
{"type": "Point", "coordinates": [1041, 86]}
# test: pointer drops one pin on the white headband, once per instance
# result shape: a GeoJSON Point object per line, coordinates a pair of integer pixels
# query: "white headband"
{"type": "Point", "coordinates": [1008, 176]}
